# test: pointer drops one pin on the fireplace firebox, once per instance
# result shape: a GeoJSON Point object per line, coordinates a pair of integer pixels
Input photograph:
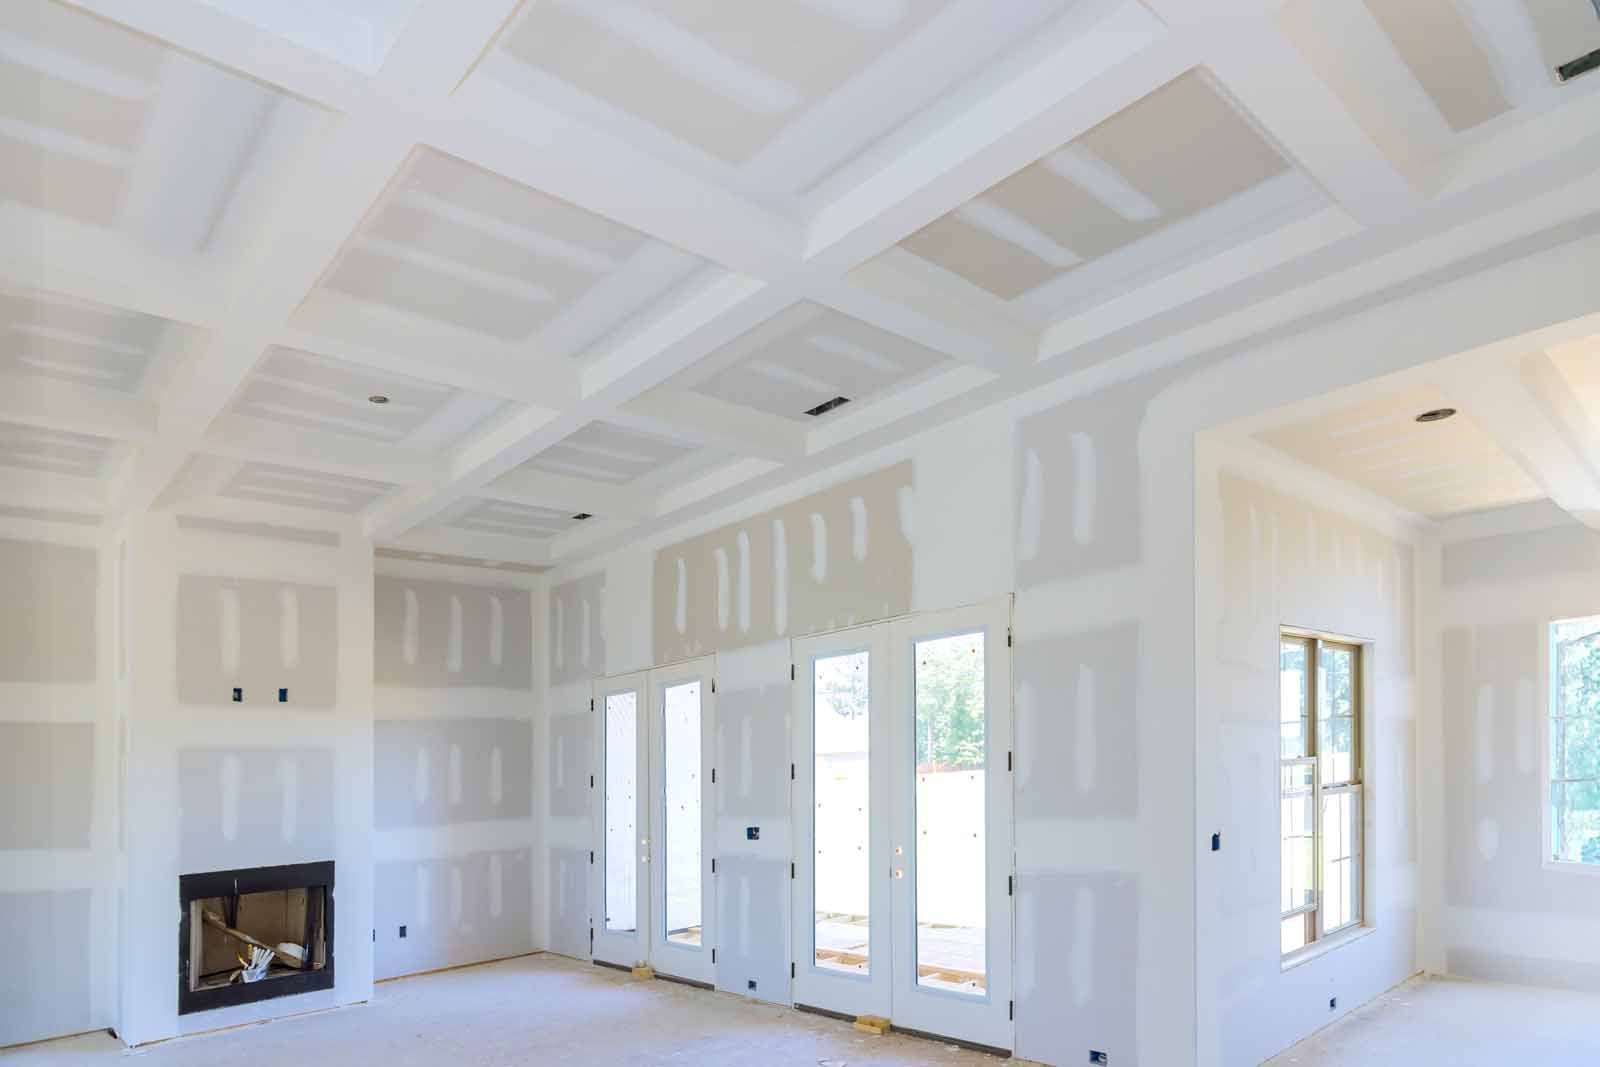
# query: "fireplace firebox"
{"type": "Point", "coordinates": [253, 934]}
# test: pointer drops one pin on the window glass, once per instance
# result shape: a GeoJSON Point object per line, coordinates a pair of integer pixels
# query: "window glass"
{"type": "Point", "coordinates": [1575, 740]}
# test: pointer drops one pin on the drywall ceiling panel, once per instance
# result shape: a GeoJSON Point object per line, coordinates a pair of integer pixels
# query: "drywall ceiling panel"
{"type": "Point", "coordinates": [514, 520]}
{"type": "Point", "coordinates": [454, 909]}
{"type": "Point", "coordinates": [55, 451]}
{"type": "Point", "coordinates": [358, 33]}
{"type": "Point", "coordinates": [75, 341]}
{"type": "Point", "coordinates": [809, 354]}
{"type": "Point", "coordinates": [1179, 151]}
{"type": "Point", "coordinates": [275, 642]}
{"type": "Point", "coordinates": [87, 111]}
{"type": "Point", "coordinates": [478, 252]}
{"type": "Point", "coordinates": [1435, 43]}
{"type": "Point", "coordinates": [432, 634]}
{"type": "Point", "coordinates": [1433, 469]}
{"type": "Point", "coordinates": [1579, 364]}
{"type": "Point", "coordinates": [383, 552]}
{"type": "Point", "coordinates": [577, 629]}
{"type": "Point", "coordinates": [1567, 29]}
{"type": "Point", "coordinates": [605, 452]}
{"type": "Point", "coordinates": [724, 77]}
{"type": "Point", "coordinates": [274, 484]}
{"type": "Point", "coordinates": [828, 560]}
{"type": "Point", "coordinates": [47, 632]}
{"type": "Point", "coordinates": [254, 807]}
{"type": "Point", "coordinates": [434, 772]}
{"type": "Point", "coordinates": [297, 388]}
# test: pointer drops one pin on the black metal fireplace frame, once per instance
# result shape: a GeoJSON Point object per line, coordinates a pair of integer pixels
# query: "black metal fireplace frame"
{"type": "Point", "coordinates": [192, 887]}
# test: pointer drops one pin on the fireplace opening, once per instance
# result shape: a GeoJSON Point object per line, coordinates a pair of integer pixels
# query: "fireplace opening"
{"type": "Point", "coordinates": [252, 934]}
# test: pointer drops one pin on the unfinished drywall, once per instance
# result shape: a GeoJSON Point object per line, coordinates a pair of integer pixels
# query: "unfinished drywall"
{"type": "Point", "coordinates": [1268, 557]}
{"type": "Point", "coordinates": [567, 763]}
{"type": "Point", "coordinates": [577, 630]}
{"type": "Point", "coordinates": [1502, 913]}
{"type": "Point", "coordinates": [213, 784]}
{"type": "Point", "coordinates": [832, 559]}
{"type": "Point", "coordinates": [255, 642]}
{"type": "Point", "coordinates": [58, 789]}
{"type": "Point", "coordinates": [453, 761]}
{"type": "Point", "coordinates": [750, 752]}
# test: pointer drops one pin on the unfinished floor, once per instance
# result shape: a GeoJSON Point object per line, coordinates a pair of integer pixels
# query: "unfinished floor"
{"type": "Point", "coordinates": [1443, 1022]}
{"type": "Point", "coordinates": [535, 1009]}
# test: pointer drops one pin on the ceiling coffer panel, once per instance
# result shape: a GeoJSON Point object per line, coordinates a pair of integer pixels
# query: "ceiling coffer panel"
{"type": "Point", "coordinates": [1452, 66]}
{"type": "Point", "coordinates": [807, 355]}
{"type": "Point", "coordinates": [272, 484]}
{"type": "Point", "coordinates": [515, 520]}
{"type": "Point", "coordinates": [53, 451]}
{"type": "Point", "coordinates": [458, 245]}
{"type": "Point", "coordinates": [1177, 152]}
{"type": "Point", "coordinates": [608, 453]}
{"type": "Point", "coordinates": [724, 77]}
{"type": "Point", "coordinates": [76, 341]}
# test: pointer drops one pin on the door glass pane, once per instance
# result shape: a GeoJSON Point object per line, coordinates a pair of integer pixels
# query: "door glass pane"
{"type": "Point", "coordinates": [951, 856]}
{"type": "Point", "coordinates": [1336, 714]}
{"type": "Point", "coordinates": [622, 808]}
{"type": "Point", "coordinates": [1298, 831]}
{"type": "Point", "coordinates": [681, 775]}
{"type": "Point", "coordinates": [841, 833]}
{"type": "Point", "coordinates": [1294, 711]}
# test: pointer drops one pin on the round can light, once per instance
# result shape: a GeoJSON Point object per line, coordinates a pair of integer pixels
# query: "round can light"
{"type": "Point", "coordinates": [1436, 415]}
{"type": "Point", "coordinates": [377, 398]}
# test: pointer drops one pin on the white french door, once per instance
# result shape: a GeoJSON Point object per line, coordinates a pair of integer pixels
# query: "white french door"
{"type": "Point", "coordinates": [652, 898]}
{"type": "Point", "coordinates": [620, 813]}
{"type": "Point", "coordinates": [902, 817]}
{"type": "Point", "coordinates": [682, 820]}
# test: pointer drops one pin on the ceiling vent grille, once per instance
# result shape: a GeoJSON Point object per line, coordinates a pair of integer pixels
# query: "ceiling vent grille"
{"type": "Point", "coordinates": [581, 516]}
{"type": "Point", "coordinates": [827, 406]}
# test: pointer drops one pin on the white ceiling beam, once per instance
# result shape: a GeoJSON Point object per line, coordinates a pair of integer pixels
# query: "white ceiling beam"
{"type": "Point", "coordinates": [713, 423]}
{"type": "Point", "coordinates": [1530, 411]}
{"type": "Point", "coordinates": [49, 404]}
{"type": "Point", "coordinates": [266, 441]}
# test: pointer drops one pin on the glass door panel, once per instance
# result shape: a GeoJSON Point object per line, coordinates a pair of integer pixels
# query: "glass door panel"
{"type": "Point", "coordinates": [840, 804]}
{"type": "Point", "coordinates": [620, 913]}
{"type": "Point", "coordinates": [951, 823]}
{"type": "Point", "coordinates": [682, 889]}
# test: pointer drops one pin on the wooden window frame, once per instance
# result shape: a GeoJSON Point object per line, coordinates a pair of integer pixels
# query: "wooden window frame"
{"type": "Point", "coordinates": [1315, 645]}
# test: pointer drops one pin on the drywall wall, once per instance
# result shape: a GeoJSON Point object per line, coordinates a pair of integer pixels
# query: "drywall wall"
{"type": "Point", "coordinates": [1276, 548]}
{"type": "Point", "coordinates": [454, 710]}
{"type": "Point", "coordinates": [58, 786]}
{"type": "Point", "coordinates": [210, 784]}
{"type": "Point", "coordinates": [826, 561]}
{"type": "Point", "coordinates": [1497, 910]}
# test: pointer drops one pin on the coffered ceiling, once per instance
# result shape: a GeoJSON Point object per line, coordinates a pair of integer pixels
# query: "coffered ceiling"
{"type": "Point", "coordinates": [604, 257]}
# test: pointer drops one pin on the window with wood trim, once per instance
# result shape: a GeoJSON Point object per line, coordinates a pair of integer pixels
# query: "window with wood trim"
{"type": "Point", "coordinates": [1575, 740]}
{"type": "Point", "coordinates": [1320, 798]}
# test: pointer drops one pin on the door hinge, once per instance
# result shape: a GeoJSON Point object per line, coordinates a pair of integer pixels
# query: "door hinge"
{"type": "Point", "coordinates": [591, 703]}
{"type": "Point", "coordinates": [791, 969]}
{"type": "Point", "coordinates": [1011, 1010]}
{"type": "Point", "coordinates": [1011, 885]}
{"type": "Point", "coordinates": [791, 672]}
{"type": "Point", "coordinates": [591, 938]}
{"type": "Point", "coordinates": [713, 685]}
{"type": "Point", "coordinates": [591, 855]}
{"type": "Point", "coordinates": [1008, 637]}
{"type": "Point", "coordinates": [591, 781]}
{"type": "Point", "coordinates": [713, 776]}
{"type": "Point", "coordinates": [713, 865]}
{"type": "Point", "coordinates": [713, 955]}
{"type": "Point", "coordinates": [791, 871]}
{"type": "Point", "coordinates": [791, 772]}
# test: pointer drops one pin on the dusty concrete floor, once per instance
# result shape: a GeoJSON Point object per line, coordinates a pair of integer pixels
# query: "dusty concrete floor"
{"type": "Point", "coordinates": [1435, 1022]}
{"type": "Point", "coordinates": [533, 1010]}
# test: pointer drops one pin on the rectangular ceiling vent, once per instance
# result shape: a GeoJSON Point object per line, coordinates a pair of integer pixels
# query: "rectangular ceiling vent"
{"type": "Point", "coordinates": [827, 406]}
{"type": "Point", "coordinates": [580, 516]}
{"type": "Point", "coordinates": [1581, 65]}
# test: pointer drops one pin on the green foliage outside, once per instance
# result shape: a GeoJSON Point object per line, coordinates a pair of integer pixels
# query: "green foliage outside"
{"type": "Point", "coordinates": [1575, 749]}
{"type": "Point", "coordinates": [950, 728]}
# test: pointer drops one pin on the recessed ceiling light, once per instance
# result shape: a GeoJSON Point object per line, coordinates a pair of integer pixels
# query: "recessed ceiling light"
{"type": "Point", "coordinates": [1436, 415]}
{"type": "Point", "coordinates": [377, 398]}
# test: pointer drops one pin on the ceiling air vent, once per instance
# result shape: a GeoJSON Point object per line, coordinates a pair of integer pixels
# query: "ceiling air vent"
{"type": "Point", "coordinates": [580, 516]}
{"type": "Point", "coordinates": [1581, 65]}
{"type": "Point", "coordinates": [828, 405]}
